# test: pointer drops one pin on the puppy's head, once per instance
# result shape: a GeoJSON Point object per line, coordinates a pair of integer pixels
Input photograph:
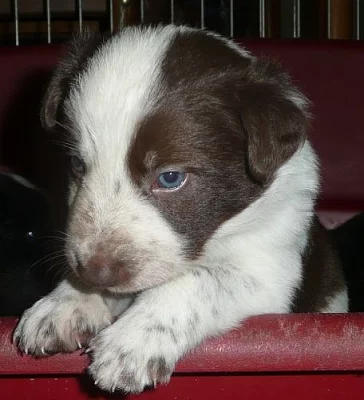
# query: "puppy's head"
{"type": "Point", "coordinates": [174, 131]}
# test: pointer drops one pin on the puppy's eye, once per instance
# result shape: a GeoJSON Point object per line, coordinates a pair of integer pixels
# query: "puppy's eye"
{"type": "Point", "coordinates": [78, 166]}
{"type": "Point", "coordinates": [171, 180]}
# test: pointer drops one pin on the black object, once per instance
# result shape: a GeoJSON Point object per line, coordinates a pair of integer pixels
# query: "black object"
{"type": "Point", "coordinates": [349, 241]}
{"type": "Point", "coordinates": [24, 225]}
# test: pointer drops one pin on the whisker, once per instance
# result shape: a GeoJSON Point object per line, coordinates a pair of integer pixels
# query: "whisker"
{"type": "Point", "coordinates": [63, 272]}
{"type": "Point", "coordinates": [66, 127]}
{"type": "Point", "coordinates": [46, 259]}
{"type": "Point", "coordinates": [63, 233]}
{"type": "Point", "coordinates": [66, 145]}
{"type": "Point", "coordinates": [60, 264]}
{"type": "Point", "coordinates": [51, 237]}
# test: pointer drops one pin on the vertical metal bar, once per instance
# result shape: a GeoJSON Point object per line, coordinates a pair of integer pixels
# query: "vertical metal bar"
{"type": "Point", "coordinates": [231, 18]}
{"type": "Point", "coordinates": [172, 11]}
{"type": "Point", "coordinates": [202, 14]}
{"type": "Point", "coordinates": [328, 19]}
{"type": "Point", "coordinates": [357, 20]}
{"type": "Point", "coordinates": [262, 31]}
{"type": "Point", "coordinates": [111, 15]}
{"type": "Point", "coordinates": [297, 18]}
{"type": "Point", "coordinates": [16, 22]}
{"type": "Point", "coordinates": [142, 11]}
{"type": "Point", "coordinates": [49, 34]}
{"type": "Point", "coordinates": [80, 19]}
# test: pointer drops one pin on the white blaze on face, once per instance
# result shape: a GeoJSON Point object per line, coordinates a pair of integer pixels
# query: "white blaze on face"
{"type": "Point", "coordinates": [118, 88]}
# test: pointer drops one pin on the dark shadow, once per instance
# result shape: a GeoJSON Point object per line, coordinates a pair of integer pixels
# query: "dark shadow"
{"type": "Point", "coordinates": [29, 150]}
{"type": "Point", "coordinates": [87, 386]}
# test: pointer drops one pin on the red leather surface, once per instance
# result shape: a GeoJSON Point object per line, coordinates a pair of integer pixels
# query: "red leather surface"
{"type": "Point", "coordinates": [239, 387]}
{"type": "Point", "coordinates": [269, 357]}
{"type": "Point", "coordinates": [270, 343]}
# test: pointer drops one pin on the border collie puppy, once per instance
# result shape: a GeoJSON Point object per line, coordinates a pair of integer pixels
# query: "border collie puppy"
{"type": "Point", "coordinates": [191, 202]}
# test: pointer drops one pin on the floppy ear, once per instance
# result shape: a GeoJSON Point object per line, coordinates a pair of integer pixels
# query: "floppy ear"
{"type": "Point", "coordinates": [274, 119]}
{"type": "Point", "coordinates": [78, 51]}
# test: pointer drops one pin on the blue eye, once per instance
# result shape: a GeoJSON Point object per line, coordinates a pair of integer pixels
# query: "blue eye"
{"type": "Point", "coordinates": [171, 179]}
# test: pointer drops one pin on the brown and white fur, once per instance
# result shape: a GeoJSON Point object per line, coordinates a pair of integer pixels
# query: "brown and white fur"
{"type": "Point", "coordinates": [158, 270]}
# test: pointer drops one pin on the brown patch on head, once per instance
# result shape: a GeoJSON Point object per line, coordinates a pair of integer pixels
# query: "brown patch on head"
{"type": "Point", "coordinates": [274, 126]}
{"type": "Point", "coordinates": [213, 191]}
{"type": "Point", "coordinates": [227, 121]}
{"type": "Point", "coordinates": [322, 272]}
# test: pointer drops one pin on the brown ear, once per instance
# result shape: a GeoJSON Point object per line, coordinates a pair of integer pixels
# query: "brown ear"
{"type": "Point", "coordinates": [78, 51]}
{"type": "Point", "coordinates": [274, 119]}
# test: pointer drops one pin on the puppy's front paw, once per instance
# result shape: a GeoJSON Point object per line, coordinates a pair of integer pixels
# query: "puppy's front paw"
{"type": "Point", "coordinates": [131, 358]}
{"type": "Point", "coordinates": [60, 324]}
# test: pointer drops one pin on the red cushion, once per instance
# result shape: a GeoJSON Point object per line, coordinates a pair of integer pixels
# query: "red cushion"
{"type": "Point", "coordinates": [268, 350]}
{"type": "Point", "coordinates": [268, 343]}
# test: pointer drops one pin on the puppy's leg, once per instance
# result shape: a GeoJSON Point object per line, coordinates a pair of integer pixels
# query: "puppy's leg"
{"type": "Point", "coordinates": [62, 321]}
{"type": "Point", "coordinates": [143, 345]}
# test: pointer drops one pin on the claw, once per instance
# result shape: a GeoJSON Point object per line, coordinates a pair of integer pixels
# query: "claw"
{"type": "Point", "coordinates": [43, 351]}
{"type": "Point", "coordinates": [79, 344]}
{"type": "Point", "coordinates": [26, 351]}
{"type": "Point", "coordinates": [96, 382]}
{"type": "Point", "coordinates": [87, 350]}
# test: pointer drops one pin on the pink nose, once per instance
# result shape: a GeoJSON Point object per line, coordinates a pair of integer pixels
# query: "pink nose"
{"type": "Point", "coordinates": [100, 272]}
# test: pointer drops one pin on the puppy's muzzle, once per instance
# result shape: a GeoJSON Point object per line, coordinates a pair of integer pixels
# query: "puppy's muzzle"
{"type": "Point", "coordinates": [104, 272]}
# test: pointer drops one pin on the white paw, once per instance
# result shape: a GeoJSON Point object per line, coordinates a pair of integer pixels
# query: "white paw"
{"type": "Point", "coordinates": [61, 324]}
{"type": "Point", "coordinates": [129, 356]}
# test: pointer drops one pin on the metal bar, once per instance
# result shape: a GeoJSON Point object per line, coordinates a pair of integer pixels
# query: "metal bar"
{"type": "Point", "coordinates": [328, 18]}
{"type": "Point", "coordinates": [80, 19]}
{"type": "Point", "coordinates": [16, 21]}
{"type": "Point", "coordinates": [142, 11]}
{"type": "Point", "coordinates": [297, 18]}
{"type": "Point", "coordinates": [172, 11]}
{"type": "Point", "coordinates": [111, 15]}
{"type": "Point", "coordinates": [262, 30]}
{"type": "Point", "coordinates": [49, 33]}
{"type": "Point", "coordinates": [231, 18]}
{"type": "Point", "coordinates": [202, 14]}
{"type": "Point", "coordinates": [357, 20]}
